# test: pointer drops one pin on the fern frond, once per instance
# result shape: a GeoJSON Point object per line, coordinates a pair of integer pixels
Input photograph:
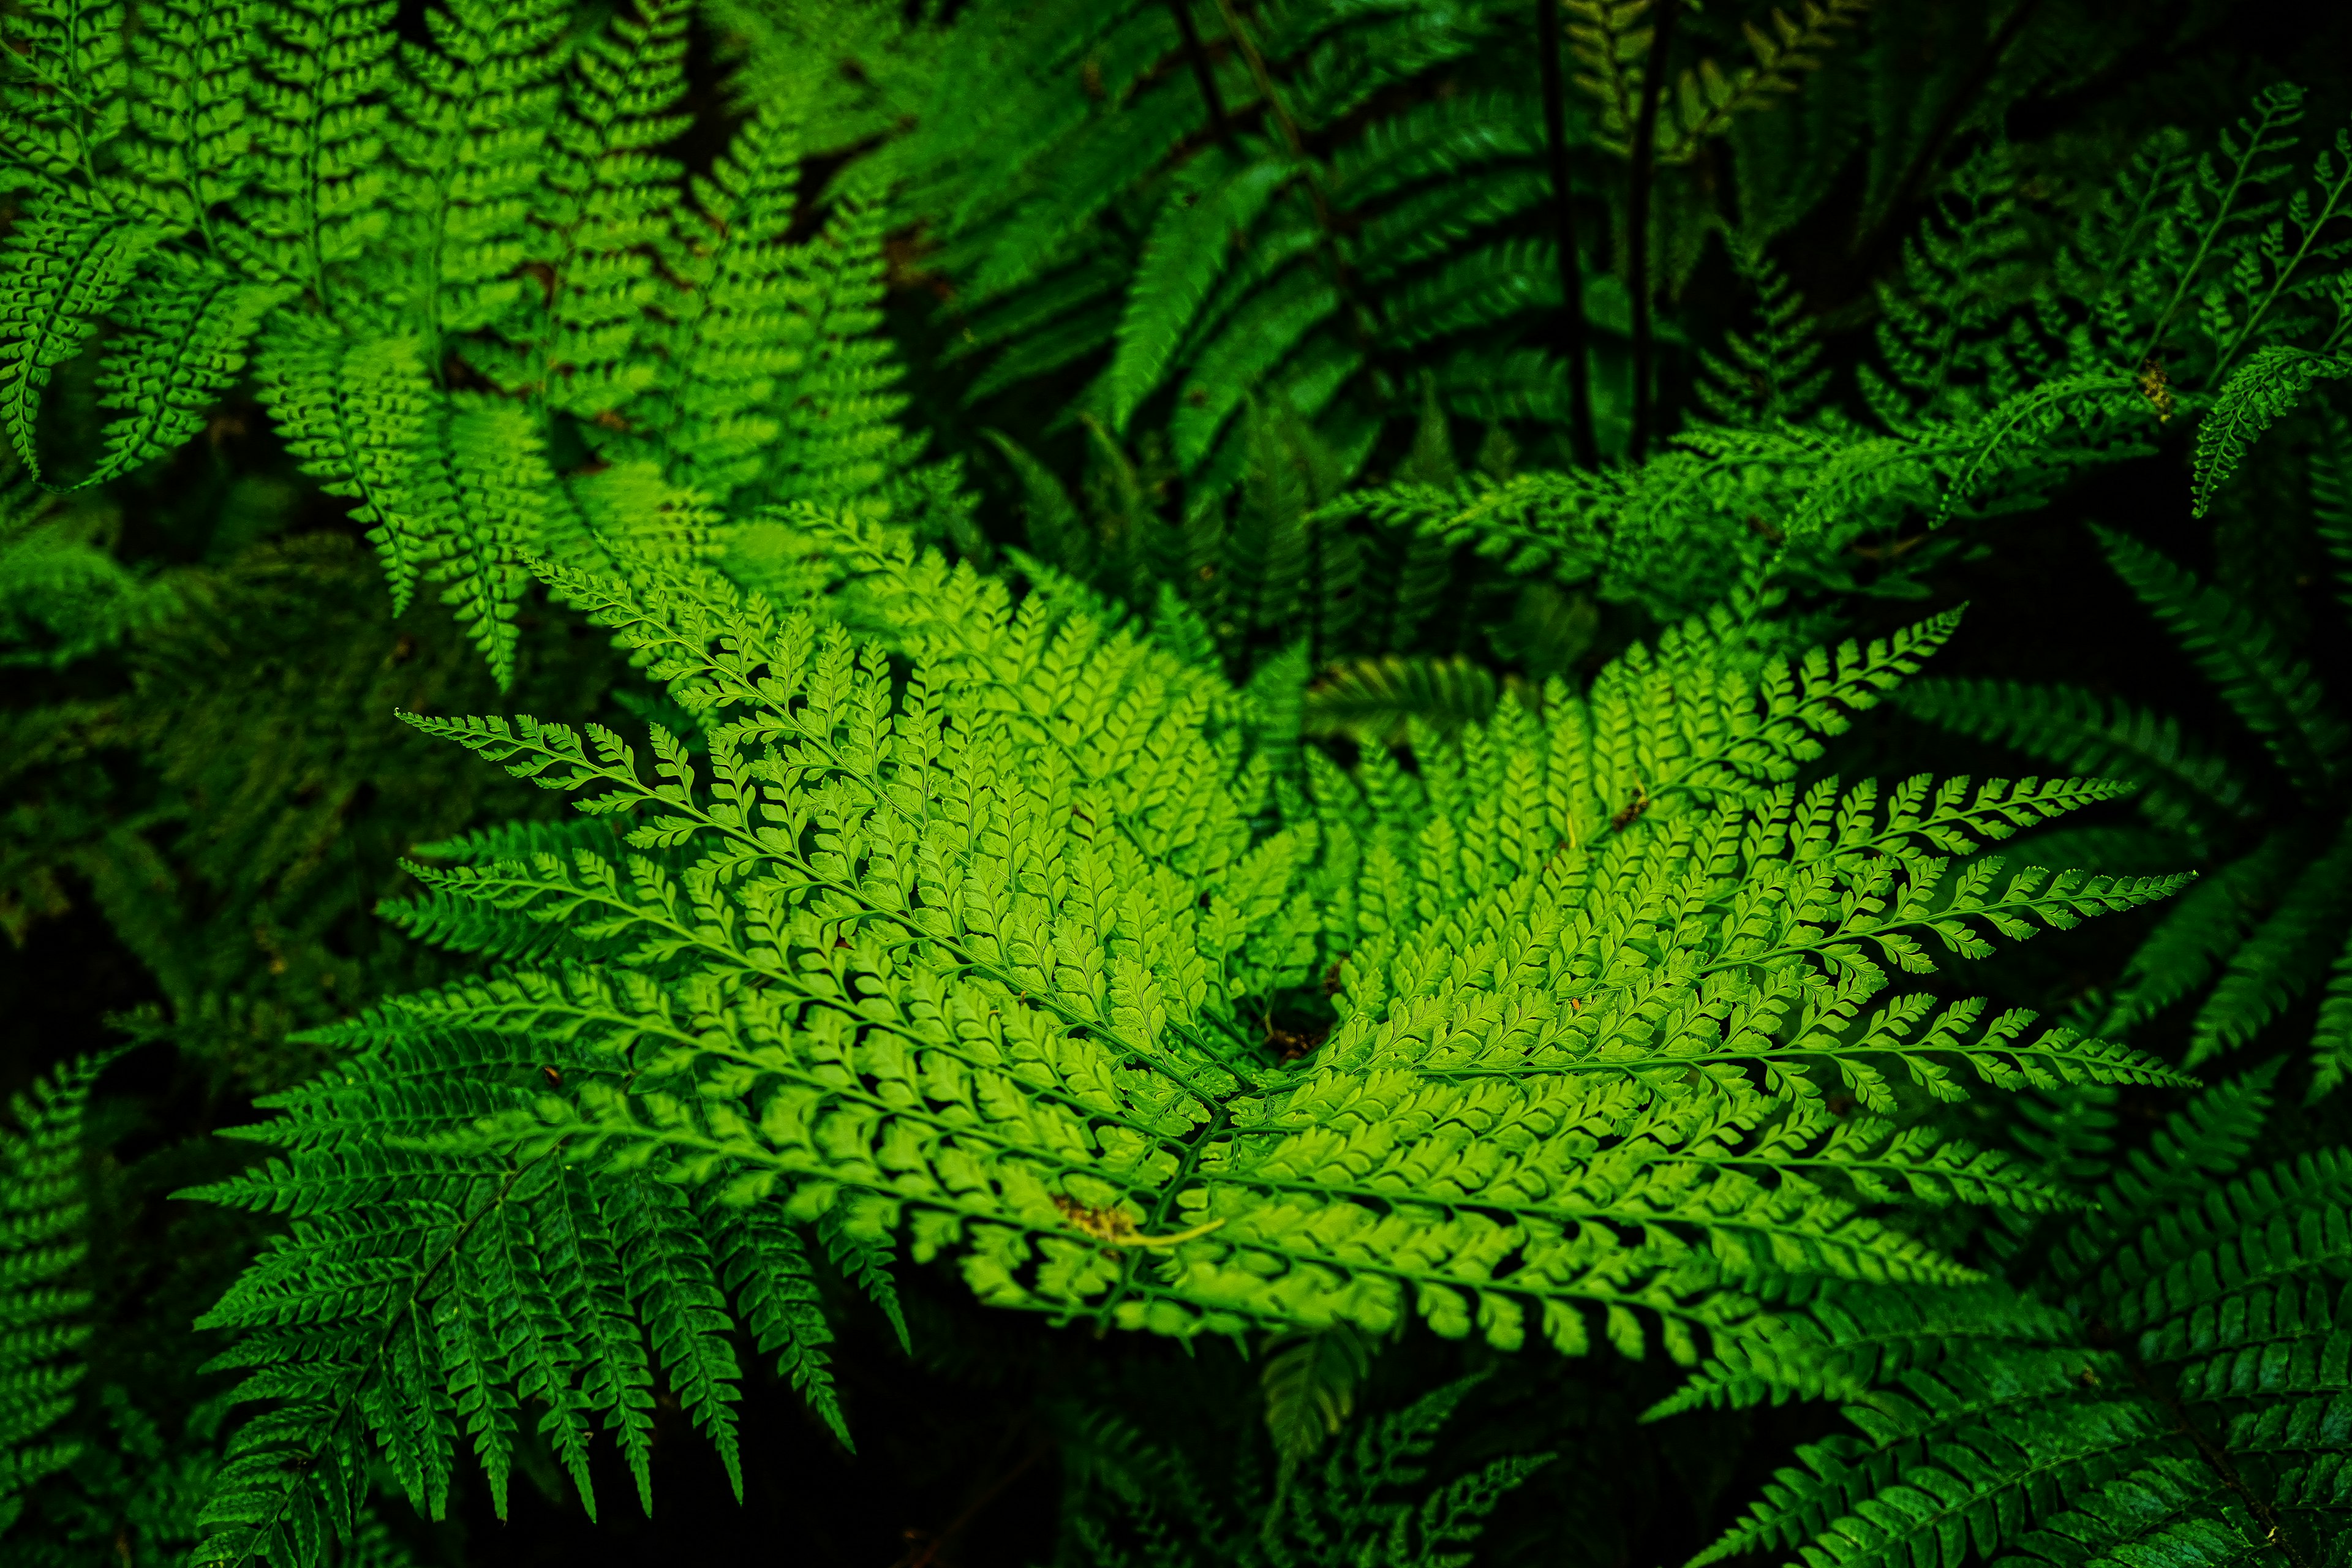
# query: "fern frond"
{"type": "Point", "coordinates": [66, 259]}
{"type": "Point", "coordinates": [2183, 786]}
{"type": "Point", "coordinates": [41, 1217]}
{"type": "Point", "coordinates": [316, 199]}
{"type": "Point", "coordinates": [2331, 496]}
{"type": "Point", "coordinates": [1211, 203]}
{"type": "Point", "coordinates": [354, 413]}
{"type": "Point", "coordinates": [2202, 930]}
{"type": "Point", "coordinates": [2272, 692]}
{"type": "Point", "coordinates": [2285, 956]}
{"type": "Point", "coordinates": [2271, 382]}
{"type": "Point", "coordinates": [2195, 1418]}
{"type": "Point", "coordinates": [1310, 1383]}
{"type": "Point", "coordinates": [2331, 1039]}
{"type": "Point", "coordinates": [1376, 701]}
{"type": "Point", "coordinates": [931, 1022]}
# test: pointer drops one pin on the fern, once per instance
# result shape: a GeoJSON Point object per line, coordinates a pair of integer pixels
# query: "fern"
{"type": "Point", "coordinates": [44, 1212]}
{"type": "Point", "coordinates": [1139, 1503]}
{"type": "Point", "coordinates": [1611, 41]}
{"type": "Point", "coordinates": [2275, 694]}
{"type": "Point", "coordinates": [2270, 923]}
{"type": "Point", "coordinates": [1333, 865]}
{"type": "Point", "coordinates": [2269, 383]}
{"type": "Point", "coordinates": [1240, 211]}
{"type": "Point", "coordinates": [2163, 1386]}
{"type": "Point", "coordinates": [943, 1053]}
{"type": "Point", "coordinates": [450, 265]}
{"type": "Point", "coordinates": [1377, 701]}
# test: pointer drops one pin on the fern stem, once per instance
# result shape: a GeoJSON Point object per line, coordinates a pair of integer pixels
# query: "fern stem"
{"type": "Point", "coordinates": [1574, 338]}
{"type": "Point", "coordinates": [1219, 1123]}
{"type": "Point", "coordinates": [1203, 75]}
{"type": "Point", "coordinates": [1265, 79]}
{"type": "Point", "coordinates": [1637, 220]}
{"type": "Point", "coordinates": [2212, 231]}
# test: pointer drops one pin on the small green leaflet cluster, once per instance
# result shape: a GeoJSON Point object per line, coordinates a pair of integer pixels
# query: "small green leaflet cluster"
{"type": "Point", "coordinates": [2273, 919]}
{"type": "Point", "coordinates": [42, 1212]}
{"type": "Point", "coordinates": [2168, 1385]}
{"type": "Point", "coordinates": [474, 299]}
{"type": "Point", "coordinates": [966, 941]}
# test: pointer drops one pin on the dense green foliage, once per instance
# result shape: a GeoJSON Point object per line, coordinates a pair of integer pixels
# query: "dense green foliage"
{"type": "Point", "coordinates": [1151, 769]}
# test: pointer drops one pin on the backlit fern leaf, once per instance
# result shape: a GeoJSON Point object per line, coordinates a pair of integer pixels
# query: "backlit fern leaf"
{"type": "Point", "coordinates": [1005, 1004]}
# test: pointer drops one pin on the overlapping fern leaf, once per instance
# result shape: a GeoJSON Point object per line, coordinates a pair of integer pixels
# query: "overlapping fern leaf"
{"type": "Point", "coordinates": [2272, 920]}
{"type": "Point", "coordinates": [458, 270]}
{"type": "Point", "coordinates": [2164, 1380]}
{"type": "Point", "coordinates": [979, 963]}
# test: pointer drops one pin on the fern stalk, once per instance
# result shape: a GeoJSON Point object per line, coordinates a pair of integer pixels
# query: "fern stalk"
{"type": "Point", "coordinates": [1573, 335]}
{"type": "Point", "coordinates": [1198, 57]}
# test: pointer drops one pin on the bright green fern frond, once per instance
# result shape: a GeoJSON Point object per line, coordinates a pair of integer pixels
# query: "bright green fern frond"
{"type": "Point", "coordinates": [956, 929]}
{"type": "Point", "coordinates": [354, 413]}
{"type": "Point", "coordinates": [317, 184]}
{"type": "Point", "coordinates": [606, 202]}
{"type": "Point", "coordinates": [192, 71]}
{"type": "Point", "coordinates": [68, 259]}
{"type": "Point", "coordinates": [68, 103]}
{"type": "Point", "coordinates": [2269, 383]}
{"type": "Point", "coordinates": [188, 330]}
{"type": "Point", "coordinates": [476, 112]}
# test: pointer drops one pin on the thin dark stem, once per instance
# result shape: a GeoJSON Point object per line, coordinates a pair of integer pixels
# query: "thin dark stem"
{"type": "Point", "coordinates": [1572, 261]}
{"type": "Point", "coordinates": [1948, 122]}
{"type": "Point", "coordinates": [1203, 75]}
{"type": "Point", "coordinates": [2217, 1459]}
{"type": "Point", "coordinates": [1637, 220]}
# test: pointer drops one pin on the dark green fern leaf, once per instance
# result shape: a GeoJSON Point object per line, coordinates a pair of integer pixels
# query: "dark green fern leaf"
{"type": "Point", "coordinates": [2271, 691]}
